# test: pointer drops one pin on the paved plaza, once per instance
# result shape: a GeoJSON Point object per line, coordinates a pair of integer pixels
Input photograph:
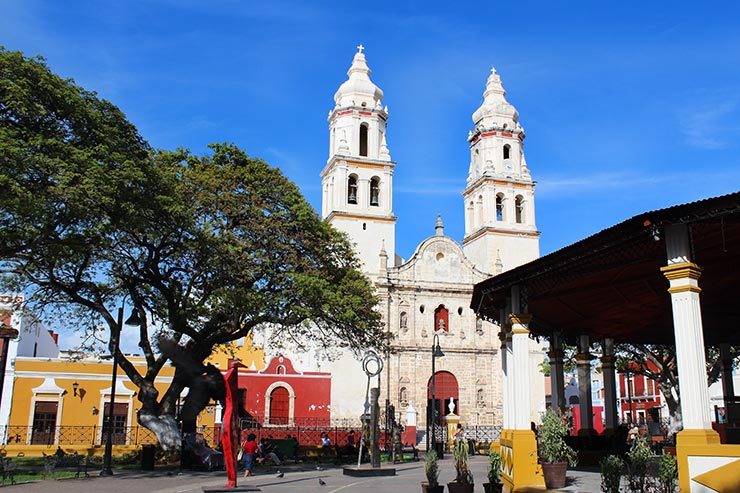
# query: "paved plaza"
{"type": "Point", "coordinates": [297, 478]}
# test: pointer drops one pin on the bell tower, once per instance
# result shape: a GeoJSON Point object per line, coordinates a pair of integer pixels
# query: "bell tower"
{"type": "Point", "coordinates": [500, 231]}
{"type": "Point", "coordinates": [357, 181]}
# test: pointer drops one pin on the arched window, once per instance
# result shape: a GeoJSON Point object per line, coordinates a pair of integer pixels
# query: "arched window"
{"type": "Point", "coordinates": [519, 207]}
{"type": "Point", "coordinates": [352, 189]}
{"type": "Point", "coordinates": [375, 191]}
{"type": "Point", "coordinates": [403, 321]}
{"type": "Point", "coordinates": [441, 319]}
{"type": "Point", "coordinates": [363, 139]}
{"type": "Point", "coordinates": [280, 370]}
{"type": "Point", "coordinates": [499, 207]}
{"type": "Point", "coordinates": [279, 406]}
{"type": "Point", "coordinates": [403, 398]}
{"type": "Point", "coordinates": [507, 151]}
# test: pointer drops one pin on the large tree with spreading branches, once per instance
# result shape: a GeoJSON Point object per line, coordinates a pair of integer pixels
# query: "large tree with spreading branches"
{"type": "Point", "coordinates": [206, 248]}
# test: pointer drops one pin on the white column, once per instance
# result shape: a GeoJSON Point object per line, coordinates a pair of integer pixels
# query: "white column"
{"type": "Point", "coordinates": [610, 384]}
{"type": "Point", "coordinates": [683, 277]}
{"type": "Point", "coordinates": [585, 406]}
{"type": "Point", "coordinates": [340, 189]}
{"type": "Point", "coordinates": [520, 370]}
{"type": "Point", "coordinates": [557, 378]}
{"type": "Point", "coordinates": [363, 193]}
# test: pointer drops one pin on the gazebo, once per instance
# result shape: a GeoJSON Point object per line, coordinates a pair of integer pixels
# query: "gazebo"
{"type": "Point", "coordinates": [670, 276]}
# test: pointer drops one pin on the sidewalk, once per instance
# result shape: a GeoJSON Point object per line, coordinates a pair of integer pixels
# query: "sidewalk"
{"type": "Point", "coordinates": [304, 478]}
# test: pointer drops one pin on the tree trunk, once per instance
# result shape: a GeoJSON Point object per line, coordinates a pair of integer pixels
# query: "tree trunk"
{"type": "Point", "coordinates": [674, 407]}
{"type": "Point", "coordinates": [159, 417]}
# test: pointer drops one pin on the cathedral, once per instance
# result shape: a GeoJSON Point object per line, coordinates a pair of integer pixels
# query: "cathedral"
{"type": "Point", "coordinates": [425, 300]}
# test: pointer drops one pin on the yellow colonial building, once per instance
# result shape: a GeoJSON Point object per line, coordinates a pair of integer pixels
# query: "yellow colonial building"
{"type": "Point", "coordinates": [56, 399]}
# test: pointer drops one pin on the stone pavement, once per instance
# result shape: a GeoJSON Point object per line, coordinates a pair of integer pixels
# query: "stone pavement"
{"type": "Point", "coordinates": [297, 479]}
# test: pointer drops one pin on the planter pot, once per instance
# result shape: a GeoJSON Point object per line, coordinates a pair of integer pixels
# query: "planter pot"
{"type": "Point", "coordinates": [493, 487]}
{"type": "Point", "coordinates": [425, 488]}
{"type": "Point", "coordinates": [455, 487]}
{"type": "Point", "coordinates": [554, 473]}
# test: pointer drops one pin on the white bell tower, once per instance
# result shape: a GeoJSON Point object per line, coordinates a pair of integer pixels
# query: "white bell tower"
{"type": "Point", "coordinates": [357, 181]}
{"type": "Point", "coordinates": [500, 231]}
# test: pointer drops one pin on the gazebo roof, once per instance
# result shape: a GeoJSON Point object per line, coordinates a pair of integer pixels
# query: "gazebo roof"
{"type": "Point", "coordinates": [610, 284]}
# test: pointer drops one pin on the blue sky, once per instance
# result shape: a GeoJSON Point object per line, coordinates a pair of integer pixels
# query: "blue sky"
{"type": "Point", "coordinates": [627, 107]}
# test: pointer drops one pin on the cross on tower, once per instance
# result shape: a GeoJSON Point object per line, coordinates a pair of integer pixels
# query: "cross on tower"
{"type": "Point", "coordinates": [360, 48]}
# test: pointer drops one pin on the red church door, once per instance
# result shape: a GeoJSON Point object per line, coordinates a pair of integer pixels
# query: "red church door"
{"type": "Point", "coordinates": [279, 406]}
{"type": "Point", "coordinates": [445, 387]}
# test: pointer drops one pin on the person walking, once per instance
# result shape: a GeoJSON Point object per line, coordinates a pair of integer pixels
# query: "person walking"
{"type": "Point", "coordinates": [249, 451]}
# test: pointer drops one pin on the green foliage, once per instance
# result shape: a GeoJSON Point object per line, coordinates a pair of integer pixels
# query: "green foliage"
{"type": "Point", "coordinates": [211, 247]}
{"type": "Point", "coordinates": [611, 473]}
{"type": "Point", "coordinates": [460, 457]}
{"type": "Point", "coordinates": [569, 360]}
{"type": "Point", "coordinates": [637, 459]}
{"type": "Point", "coordinates": [431, 468]}
{"type": "Point", "coordinates": [494, 467]}
{"type": "Point", "coordinates": [667, 473]}
{"type": "Point", "coordinates": [551, 445]}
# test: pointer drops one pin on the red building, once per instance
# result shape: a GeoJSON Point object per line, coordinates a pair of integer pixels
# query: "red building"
{"type": "Point", "coordinates": [639, 395]}
{"type": "Point", "coordinates": [281, 396]}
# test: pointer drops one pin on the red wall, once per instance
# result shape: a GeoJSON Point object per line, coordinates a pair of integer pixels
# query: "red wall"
{"type": "Point", "coordinates": [312, 390]}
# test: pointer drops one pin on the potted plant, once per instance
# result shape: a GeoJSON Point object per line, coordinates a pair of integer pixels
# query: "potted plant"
{"type": "Point", "coordinates": [611, 474]}
{"type": "Point", "coordinates": [555, 455]}
{"type": "Point", "coordinates": [463, 482]}
{"type": "Point", "coordinates": [494, 474]}
{"type": "Point", "coordinates": [431, 468]}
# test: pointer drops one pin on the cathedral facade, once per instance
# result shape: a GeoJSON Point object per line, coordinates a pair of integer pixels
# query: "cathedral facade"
{"type": "Point", "coordinates": [426, 299]}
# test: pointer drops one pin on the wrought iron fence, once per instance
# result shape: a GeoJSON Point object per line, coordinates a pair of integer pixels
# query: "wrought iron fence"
{"type": "Point", "coordinates": [483, 434]}
{"type": "Point", "coordinates": [76, 435]}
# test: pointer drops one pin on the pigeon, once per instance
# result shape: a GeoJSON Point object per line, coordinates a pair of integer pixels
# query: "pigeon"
{"type": "Point", "coordinates": [280, 474]}
{"type": "Point", "coordinates": [322, 482]}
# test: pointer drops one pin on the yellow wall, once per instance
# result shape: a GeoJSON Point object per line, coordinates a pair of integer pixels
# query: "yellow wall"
{"type": "Point", "coordinates": [92, 376]}
{"type": "Point", "coordinates": [245, 351]}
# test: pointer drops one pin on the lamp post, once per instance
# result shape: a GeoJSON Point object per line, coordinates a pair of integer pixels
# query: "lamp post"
{"type": "Point", "coordinates": [431, 411]}
{"type": "Point", "coordinates": [134, 321]}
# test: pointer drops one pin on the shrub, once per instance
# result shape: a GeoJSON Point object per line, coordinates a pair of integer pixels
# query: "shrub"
{"type": "Point", "coordinates": [494, 467]}
{"type": "Point", "coordinates": [431, 468]}
{"type": "Point", "coordinates": [551, 446]}
{"type": "Point", "coordinates": [667, 473]}
{"type": "Point", "coordinates": [638, 456]}
{"type": "Point", "coordinates": [611, 474]}
{"type": "Point", "coordinates": [460, 456]}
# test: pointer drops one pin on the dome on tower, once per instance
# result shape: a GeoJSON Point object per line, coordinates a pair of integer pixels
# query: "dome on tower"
{"type": "Point", "coordinates": [358, 90]}
{"type": "Point", "coordinates": [495, 111]}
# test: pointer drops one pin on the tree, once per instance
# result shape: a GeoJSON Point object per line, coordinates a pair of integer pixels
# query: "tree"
{"type": "Point", "coordinates": [664, 371]}
{"type": "Point", "coordinates": [208, 247]}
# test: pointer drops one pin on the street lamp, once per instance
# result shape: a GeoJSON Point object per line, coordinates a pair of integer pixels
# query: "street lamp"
{"type": "Point", "coordinates": [133, 320]}
{"type": "Point", "coordinates": [436, 353]}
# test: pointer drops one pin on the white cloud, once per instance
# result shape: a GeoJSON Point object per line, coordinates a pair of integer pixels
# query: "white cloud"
{"type": "Point", "coordinates": [706, 126]}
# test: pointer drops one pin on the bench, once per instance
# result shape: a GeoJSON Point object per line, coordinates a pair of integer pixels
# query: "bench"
{"type": "Point", "coordinates": [8, 470]}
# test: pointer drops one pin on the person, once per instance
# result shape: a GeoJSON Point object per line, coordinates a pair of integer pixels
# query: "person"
{"type": "Point", "coordinates": [633, 433]}
{"type": "Point", "coordinates": [325, 441]}
{"type": "Point", "coordinates": [249, 450]}
{"type": "Point", "coordinates": [266, 451]}
{"type": "Point", "coordinates": [460, 433]}
{"type": "Point", "coordinates": [294, 445]}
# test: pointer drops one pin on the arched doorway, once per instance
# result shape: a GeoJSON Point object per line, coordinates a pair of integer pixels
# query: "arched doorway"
{"type": "Point", "coordinates": [445, 387]}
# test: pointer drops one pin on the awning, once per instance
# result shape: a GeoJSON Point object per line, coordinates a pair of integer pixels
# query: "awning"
{"type": "Point", "coordinates": [610, 284]}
